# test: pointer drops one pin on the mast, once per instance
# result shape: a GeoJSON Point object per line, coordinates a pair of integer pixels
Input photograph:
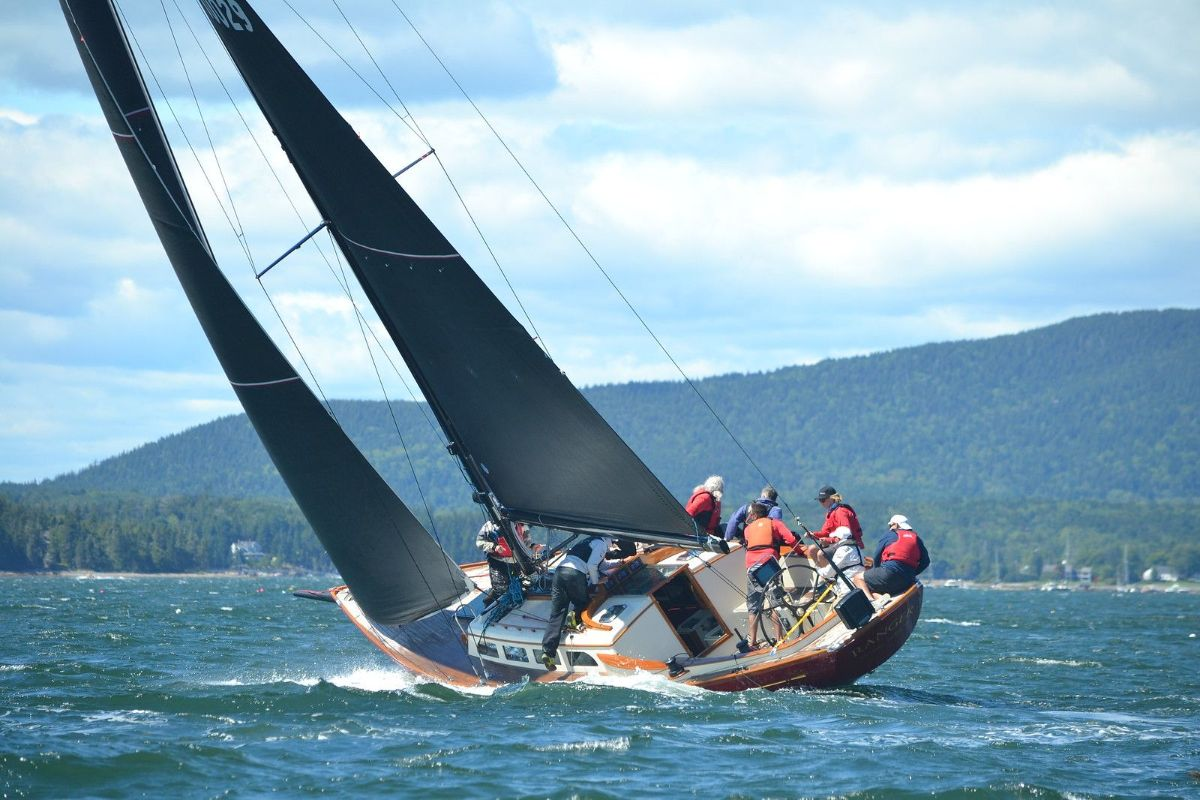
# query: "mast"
{"type": "Point", "coordinates": [535, 450]}
{"type": "Point", "coordinates": [394, 568]}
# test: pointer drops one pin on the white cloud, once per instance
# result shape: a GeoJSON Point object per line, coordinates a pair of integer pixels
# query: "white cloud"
{"type": "Point", "coordinates": [873, 177]}
{"type": "Point", "coordinates": [17, 116]}
{"type": "Point", "coordinates": [873, 232]}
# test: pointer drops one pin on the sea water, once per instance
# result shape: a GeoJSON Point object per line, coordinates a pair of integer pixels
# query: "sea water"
{"type": "Point", "coordinates": [230, 687]}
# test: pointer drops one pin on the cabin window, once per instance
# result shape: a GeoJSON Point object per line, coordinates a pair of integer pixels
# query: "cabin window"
{"type": "Point", "coordinates": [516, 653]}
{"type": "Point", "coordinates": [581, 659]}
{"type": "Point", "coordinates": [487, 649]}
{"type": "Point", "coordinates": [688, 614]}
{"type": "Point", "coordinates": [610, 612]}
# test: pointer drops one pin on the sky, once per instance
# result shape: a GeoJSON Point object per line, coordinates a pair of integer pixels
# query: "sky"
{"type": "Point", "coordinates": [768, 184]}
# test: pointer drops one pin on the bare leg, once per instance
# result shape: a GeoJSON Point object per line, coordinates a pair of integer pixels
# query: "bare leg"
{"type": "Point", "coordinates": [752, 635]}
{"type": "Point", "coordinates": [861, 583]}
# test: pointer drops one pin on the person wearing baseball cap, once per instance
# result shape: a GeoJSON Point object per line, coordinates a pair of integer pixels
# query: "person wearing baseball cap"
{"type": "Point", "coordinates": [838, 514]}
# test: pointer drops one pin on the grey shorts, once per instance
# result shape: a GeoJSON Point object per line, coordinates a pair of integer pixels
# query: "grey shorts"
{"type": "Point", "coordinates": [754, 596]}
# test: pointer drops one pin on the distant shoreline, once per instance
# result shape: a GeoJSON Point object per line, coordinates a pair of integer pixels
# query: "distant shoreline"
{"type": "Point", "coordinates": [1185, 587]}
{"type": "Point", "coordinates": [89, 575]}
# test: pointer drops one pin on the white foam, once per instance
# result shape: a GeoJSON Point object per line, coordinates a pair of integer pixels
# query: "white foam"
{"type": "Point", "coordinates": [364, 679]}
{"type": "Point", "coordinates": [619, 744]}
{"type": "Point", "coordinates": [645, 682]}
{"type": "Point", "coordinates": [1055, 662]}
{"type": "Point", "coordinates": [134, 716]}
{"type": "Point", "coordinates": [369, 679]}
{"type": "Point", "coordinates": [942, 621]}
{"type": "Point", "coordinates": [267, 680]}
{"type": "Point", "coordinates": [13, 667]}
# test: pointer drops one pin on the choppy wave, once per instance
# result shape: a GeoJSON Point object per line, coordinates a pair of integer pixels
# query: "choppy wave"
{"type": "Point", "coordinates": [616, 745]}
{"type": "Point", "coordinates": [125, 697]}
{"type": "Point", "coordinates": [134, 716]}
{"type": "Point", "coordinates": [1053, 662]}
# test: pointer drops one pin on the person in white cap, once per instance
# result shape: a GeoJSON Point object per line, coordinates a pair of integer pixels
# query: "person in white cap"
{"type": "Point", "coordinates": [844, 553]}
{"type": "Point", "coordinates": [899, 558]}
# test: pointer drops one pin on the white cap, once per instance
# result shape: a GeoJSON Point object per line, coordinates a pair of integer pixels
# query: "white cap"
{"type": "Point", "coordinates": [900, 520]}
{"type": "Point", "coordinates": [841, 533]}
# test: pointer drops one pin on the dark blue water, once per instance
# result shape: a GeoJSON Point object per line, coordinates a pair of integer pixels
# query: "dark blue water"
{"type": "Point", "coordinates": [199, 687]}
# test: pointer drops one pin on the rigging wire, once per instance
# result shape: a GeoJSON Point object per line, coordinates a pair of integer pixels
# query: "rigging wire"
{"type": "Point", "coordinates": [343, 280]}
{"type": "Point", "coordinates": [189, 218]}
{"type": "Point", "coordinates": [162, 92]}
{"type": "Point", "coordinates": [239, 230]}
{"type": "Point", "coordinates": [410, 121]}
{"type": "Point", "coordinates": [661, 346]}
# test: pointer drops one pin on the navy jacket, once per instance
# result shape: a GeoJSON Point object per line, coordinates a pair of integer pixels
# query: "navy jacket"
{"type": "Point", "coordinates": [734, 526]}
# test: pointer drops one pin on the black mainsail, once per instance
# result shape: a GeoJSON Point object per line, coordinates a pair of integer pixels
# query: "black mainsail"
{"type": "Point", "coordinates": [530, 442]}
{"type": "Point", "coordinates": [394, 568]}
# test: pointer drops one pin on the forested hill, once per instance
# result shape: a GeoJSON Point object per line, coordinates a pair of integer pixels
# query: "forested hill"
{"type": "Point", "coordinates": [1101, 407]}
{"type": "Point", "coordinates": [1009, 452]}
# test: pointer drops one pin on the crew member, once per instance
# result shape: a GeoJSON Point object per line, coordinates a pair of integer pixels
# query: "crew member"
{"type": "Point", "coordinates": [577, 573]}
{"type": "Point", "coordinates": [763, 535]}
{"type": "Point", "coordinates": [500, 560]}
{"type": "Point", "coordinates": [900, 557]}
{"type": "Point", "coordinates": [769, 498]}
{"type": "Point", "coordinates": [837, 514]}
{"type": "Point", "coordinates": [704, 506]}
{"type": "Point", "coordinates": [846, 557]}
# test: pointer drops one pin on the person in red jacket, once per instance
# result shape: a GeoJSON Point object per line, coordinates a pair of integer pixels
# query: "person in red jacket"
{"type": "Point", "coordinates": [764, 536]}
{"type": "Point", "coordinates": [837, 514]}
{"type": "Point", "coordinates": [705, 504]}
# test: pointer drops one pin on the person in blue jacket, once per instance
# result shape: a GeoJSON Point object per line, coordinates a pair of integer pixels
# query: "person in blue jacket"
{"type": "Point", "coordinates": [769, 498]}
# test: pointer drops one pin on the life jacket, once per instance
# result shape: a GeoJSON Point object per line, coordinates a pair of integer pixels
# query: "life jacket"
{"type": "Point", "coordinates": [583, 550]}
{"type": "Point", "coordinates": [714, 512]}
{"type": "Point", "coordinates": [503, 549]}
{"type": "Point", "coordinates": [855, 527]}
{"type": "Point", "coordinates": [760, 535]}
{"type": "Point", "coordinates": [905, 549]}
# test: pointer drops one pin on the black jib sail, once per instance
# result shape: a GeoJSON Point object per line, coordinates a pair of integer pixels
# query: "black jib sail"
{"type": "Point", "coordinates": [526, 436]}
{"type": "Point", "coordinates": [395, 569]}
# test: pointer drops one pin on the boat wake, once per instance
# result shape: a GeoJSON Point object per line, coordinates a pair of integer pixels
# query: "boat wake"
{"type": "Point", "coordinates": [616, 745]}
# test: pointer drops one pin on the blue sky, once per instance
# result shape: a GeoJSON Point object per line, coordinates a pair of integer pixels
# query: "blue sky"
{"type": "Point", "coordinates": [769, 183]}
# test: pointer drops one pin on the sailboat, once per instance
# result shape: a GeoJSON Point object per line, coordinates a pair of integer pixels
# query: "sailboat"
{"type": "Point", "coordinates": [533, 451]}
